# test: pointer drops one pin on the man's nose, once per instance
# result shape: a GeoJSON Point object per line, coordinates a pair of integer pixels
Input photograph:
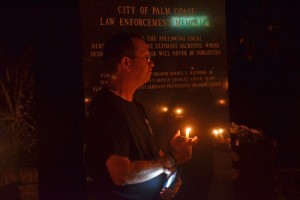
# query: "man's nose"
{"type": "Point", "coordinates": [151, 63]}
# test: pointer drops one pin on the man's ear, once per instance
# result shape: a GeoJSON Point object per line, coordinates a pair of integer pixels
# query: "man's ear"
{"type": "Point", "coordinates": [126, 63]}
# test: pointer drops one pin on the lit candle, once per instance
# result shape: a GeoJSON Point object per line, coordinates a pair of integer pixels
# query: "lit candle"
{"type": "Point", "coordinates": [178, 111]}
{"type": "Point", "coordinates": [187, 133]}
{"type": "Point", "coordinates": [218, 133]}
{"type": "Point", "coordinates": [164, 109]}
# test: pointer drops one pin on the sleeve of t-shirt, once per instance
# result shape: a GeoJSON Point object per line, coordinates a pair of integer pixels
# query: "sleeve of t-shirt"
{"type": "Point", "coordinates": [108, 133]}
{"type": "Point", "coordinates": [116, 131]}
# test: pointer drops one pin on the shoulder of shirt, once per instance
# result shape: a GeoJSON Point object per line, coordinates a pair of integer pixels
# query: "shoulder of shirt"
{"type": "Point", "coordinates": [101, 100]}
{"type": "Point", "coordinates": [139, 104]}
{"type": "Point", "coordinates": [140, 107]}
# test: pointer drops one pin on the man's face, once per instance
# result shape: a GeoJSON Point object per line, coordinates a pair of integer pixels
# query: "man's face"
{"type": "Point", "coordinates": [141, 64]}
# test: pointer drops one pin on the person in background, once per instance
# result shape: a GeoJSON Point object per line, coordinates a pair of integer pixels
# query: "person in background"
{"type": "Point", "coordinates": [122, 158]}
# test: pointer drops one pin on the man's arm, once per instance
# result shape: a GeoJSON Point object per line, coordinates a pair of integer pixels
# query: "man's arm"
{"type": "Point", "coordinates": [123, 171]}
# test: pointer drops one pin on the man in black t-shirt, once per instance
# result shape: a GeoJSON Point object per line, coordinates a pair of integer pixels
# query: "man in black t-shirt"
{"type": "Point", "coordinates": [122, 158]}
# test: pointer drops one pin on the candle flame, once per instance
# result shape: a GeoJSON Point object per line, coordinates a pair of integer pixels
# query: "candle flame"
{"type": "Point", "coordinates": [187, 132]}
{"type": "Point", "coordinates": [221, 101]}
{"type": "Point", "coordinates": [164, 109]}
{"type": "Point", "coordinates": [216, 132]}
{"type": "Point", "coordinates": [178, 110]}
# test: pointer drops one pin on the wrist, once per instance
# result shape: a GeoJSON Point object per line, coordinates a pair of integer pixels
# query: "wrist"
{"type": "Point", "coordinates": [168, 163]}
{"type": "Point", "coordinates": [172, 159]}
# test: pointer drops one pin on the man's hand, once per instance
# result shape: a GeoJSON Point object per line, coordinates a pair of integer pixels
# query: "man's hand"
{"type": "Point", "coordinates": [167, 193]}
{"type": "Point", "coordinates": [181, 148]}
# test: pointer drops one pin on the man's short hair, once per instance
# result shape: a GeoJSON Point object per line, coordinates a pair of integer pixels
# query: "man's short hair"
{"type": "Point", "coordinates": [116, 47]}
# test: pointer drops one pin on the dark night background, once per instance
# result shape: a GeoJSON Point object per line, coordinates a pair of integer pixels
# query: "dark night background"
{"type": "Point", "coordinates": [263, 71]}
{"type": "Point", "coordinates": [262, 43]}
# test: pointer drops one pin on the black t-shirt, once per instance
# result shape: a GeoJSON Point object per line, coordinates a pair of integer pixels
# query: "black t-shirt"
{"type": "Point", "coordinates": [117, 126]}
